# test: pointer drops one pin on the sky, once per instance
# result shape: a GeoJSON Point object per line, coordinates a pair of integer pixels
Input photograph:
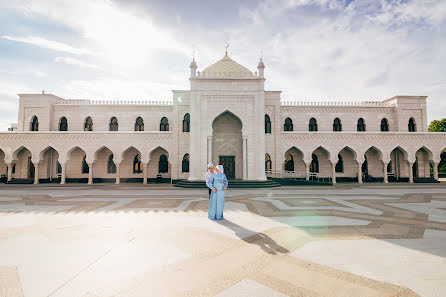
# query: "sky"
{"type": "Point", "coordinates": [331, 50]}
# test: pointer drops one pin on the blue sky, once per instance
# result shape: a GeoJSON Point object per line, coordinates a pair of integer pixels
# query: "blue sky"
{"type": "Point", "coordinates": [134, 49]}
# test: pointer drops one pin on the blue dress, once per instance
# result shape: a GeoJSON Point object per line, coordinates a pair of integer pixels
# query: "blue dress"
{"type": "Point", "coordinates": [217, 200]}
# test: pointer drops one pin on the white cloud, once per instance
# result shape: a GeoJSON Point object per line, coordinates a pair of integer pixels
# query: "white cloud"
{"type": "Point", "coordinates": [49, 44]}
{"type": "Point", "coordinates": [126, 38]}
{"type": "Point", "coordinates": [76, 62]}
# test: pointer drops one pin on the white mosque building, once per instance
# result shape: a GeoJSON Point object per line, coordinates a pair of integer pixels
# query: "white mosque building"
{"type": "Point", "coordinates": [226, 117]}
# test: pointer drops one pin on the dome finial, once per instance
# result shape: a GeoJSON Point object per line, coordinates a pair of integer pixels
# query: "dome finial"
{"type": "Point", "coordinates": [226, 51]}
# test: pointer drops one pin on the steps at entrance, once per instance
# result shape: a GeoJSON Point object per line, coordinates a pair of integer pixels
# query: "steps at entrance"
{"type": "Point", "coordinates": [232, 184]}
{"type": "Point", "coordinates": [425, 180]}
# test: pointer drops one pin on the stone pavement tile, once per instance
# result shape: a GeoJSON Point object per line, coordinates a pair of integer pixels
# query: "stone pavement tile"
{"type": "Point", "coordinates": [250, 288]}
{"type": "Point", "coordinates": [10, 282]}
{"type": "Point", "coordinates": [318, 282]}
{"type": "Point", "coordinates": [404, 262]}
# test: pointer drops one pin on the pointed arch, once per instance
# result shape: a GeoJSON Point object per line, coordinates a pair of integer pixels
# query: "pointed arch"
{"type": "Point", "coordinates": [294, 160]}
{"type": "Point", "coordinates": [312, 125]}
{"type": "Point", "coordinates": [268, 162]}
{"type": "Point", "coordinates": [288, 124]}
{"type": "Point", "coordinates": [267, 124]}
{"type": "Point", "coordinates": [18, 150]}
{"type": "Point", "coordinates": [186, 123]}
{"type": "Point", "coordinates": [384, 125]}
{"type": "Point", "coordinates": [139, 124]}
{"type": "Point", "coordinates": [88, 124]}
{"type": "Point", "coordinates": [63, 124]}
{"type": "Point", "coordinates": [113, 126]}
{"type": "Point", "coordinates": [43, 151]}
{"type": "Point", "coordinates": [360, 127]}
{"type": "Point", "coordinates": [412, 126]}
{"type": "Point", "coordinates": [164, 124]}
{"type": "Point", "coordinates": [34, 124]}
{"type": "Point", "coordinates": [337, 126]}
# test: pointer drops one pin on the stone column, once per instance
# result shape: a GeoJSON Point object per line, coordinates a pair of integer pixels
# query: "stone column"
{"type": "Point", "coordinates": [144, 174]}
{"type": "Point", "coordinates": [194, 135]}
{"type": "Point", "coordinates": [36, 172]}
{"type": "Point", "coordinates": [410, 173]}
{"type": "Point", "coordinates": [260, 131]}
{"type": "Point", "coordinates": [9, 171]}
{"type": "Point", "coordinates": [333, 173]}
{"type": "Point", "coordinates": [245, 158]}
{"type": "Point", "coordinates": [63, 174]}
{"type": "Point", "coordinates": [359, 172]}
{"type": "Point", "coordinates": [307, 171]}
{"type": "Point", "coordinates": [209, 150]}
{"type": "Point", "coordinates": [386, 180]}
{"type": "Point", "coordinates": [90, 173]}
{"type": "Point", "coordinates": [435, 170]}
{"type": "Point", "coordinates": [118, 173]}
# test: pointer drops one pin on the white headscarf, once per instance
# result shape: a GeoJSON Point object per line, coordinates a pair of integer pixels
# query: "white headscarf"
{"type": "Point", "coordinates": [220, 167]}
{"type": "Point", "coordinates": [210, 165]}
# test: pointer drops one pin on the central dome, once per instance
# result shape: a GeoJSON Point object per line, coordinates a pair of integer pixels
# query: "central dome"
{"type": "Point", "coordinates": [226, 68]}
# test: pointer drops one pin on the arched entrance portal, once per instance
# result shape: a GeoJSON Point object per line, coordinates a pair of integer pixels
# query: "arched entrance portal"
{"type": "Point", "coordinates": [227, 145]}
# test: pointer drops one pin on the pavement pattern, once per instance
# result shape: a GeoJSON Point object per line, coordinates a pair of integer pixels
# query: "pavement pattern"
{"type": "Point", "coordinates": [134, 240]}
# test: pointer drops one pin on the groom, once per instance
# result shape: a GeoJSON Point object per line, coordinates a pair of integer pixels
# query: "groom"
{"type": "Point", "coordinates": [208, 177]}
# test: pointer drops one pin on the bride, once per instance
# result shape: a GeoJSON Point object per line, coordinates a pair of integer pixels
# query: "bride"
{"type": "Point", "coordinates": [219, 184]}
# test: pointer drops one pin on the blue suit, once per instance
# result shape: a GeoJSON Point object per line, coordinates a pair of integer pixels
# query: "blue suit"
{"type": "Point", "coordinates": [217, 200]}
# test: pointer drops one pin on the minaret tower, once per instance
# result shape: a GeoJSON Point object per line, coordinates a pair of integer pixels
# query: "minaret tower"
{"type": "Point", "coordinates": [260, 108]}
{"type": "Point", "coordinates": [193, 67]}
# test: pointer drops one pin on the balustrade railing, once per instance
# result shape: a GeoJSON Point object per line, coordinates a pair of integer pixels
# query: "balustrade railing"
{"type": "Point", "coordinates": [296, 175]}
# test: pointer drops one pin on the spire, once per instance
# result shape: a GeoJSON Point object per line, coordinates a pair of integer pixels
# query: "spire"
{"type": "Point", "coordinates": [261, 66]}
{"type": "Point", "coordinates": [193, 66]}
{"type": "Point", "coordinates": [226, 50]}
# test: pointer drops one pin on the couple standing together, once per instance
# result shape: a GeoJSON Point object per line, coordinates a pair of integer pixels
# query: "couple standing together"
{"type": "Point", "coordinates": [217, 183]}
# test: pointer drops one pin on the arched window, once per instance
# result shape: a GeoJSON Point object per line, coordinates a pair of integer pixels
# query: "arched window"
{"type": "Point", "coordinates": [88, 125]}
{"type": "Point", "coordinates": [85, 168]}
{"type": "Point", "coordinates": [111, 166]}
{"type": "Point", "coordinates": [267, 124]}
{"type": "Point", "coordinates": [186, 123]}
{"type": "Point", "coordinates": [312, 125]}
{"type": "Point", "coordinates": [113, 124]}
{"type": "Point", "coordinates": [137, 167]}
{"type": "Point", "coordinates": [268, 164]}
{"type": "Point", "coordinates": [63, 124]}
{"type": "Point", "coordinates": [361, 125]}
{"type": "Point", "coordinates": [314, 167]}
{"type": "Point", "coordinates": [337, 126]}
{"type": "Point", "coordinates": [340, 165]}
{"type": "Point", "coordinates": [288, 125]}
{"type": "Point", "coordinates": [384, 125]}
{"type": "Point", "coordinates": [139, 124]}
{"type": "Point", "coordinates": [289, 162]}
{"type": "Point", "coordinates": [412, 125]}
{"type": "Point", "coordinates": [164, 124]}
{"type": "Point", "coordinates": [34, 126]}
{"type": "Point", "coordinates": [163, 165]}
{"type": "Point", "coordinates": [185, 163]}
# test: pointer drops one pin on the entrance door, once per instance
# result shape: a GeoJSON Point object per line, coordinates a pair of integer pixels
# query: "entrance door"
{"type": "Point", "coordinates": [228, 163]}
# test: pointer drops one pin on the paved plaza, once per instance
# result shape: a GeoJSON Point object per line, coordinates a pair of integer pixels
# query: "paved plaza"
{"type": "Point", "coordinates": [134, 240]}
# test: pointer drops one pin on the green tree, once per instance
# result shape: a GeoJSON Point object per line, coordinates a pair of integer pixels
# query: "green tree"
{"type": "Point", "coordinates": [438, 126]}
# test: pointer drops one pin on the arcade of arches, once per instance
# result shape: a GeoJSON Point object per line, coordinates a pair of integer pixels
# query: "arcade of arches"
{"type": "Point", "coordinates": [103, 166]}
{"type": "Point", "coordinates": [370, 166]}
